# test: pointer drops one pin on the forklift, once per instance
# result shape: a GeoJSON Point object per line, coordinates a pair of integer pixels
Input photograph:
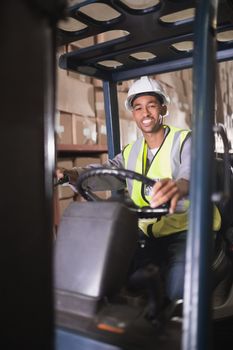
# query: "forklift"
{"type": "Point", "coordinates": [89, 303]}
{"type": "Point", "coordinates": [32, 316]}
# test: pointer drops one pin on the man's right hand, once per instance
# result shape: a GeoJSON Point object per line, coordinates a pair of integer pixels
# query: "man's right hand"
{"type": "Point", "coordinates": [167, 190]}
{"type": "Point", "coordinates": [60, 173]}
{"type": "Point", "coordinates": [72, 175]}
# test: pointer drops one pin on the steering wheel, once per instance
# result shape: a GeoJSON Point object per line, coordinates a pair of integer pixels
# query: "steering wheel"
{"type": "Point", "coordinates": [121, 174]}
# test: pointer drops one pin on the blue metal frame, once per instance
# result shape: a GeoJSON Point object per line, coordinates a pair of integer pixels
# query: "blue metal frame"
{"type": "Point", "coordinates": [147, 32]}
{"type": "Point", "coordinates": [197, 300]}
{"type": "Point", "coordinates": [112, 118]}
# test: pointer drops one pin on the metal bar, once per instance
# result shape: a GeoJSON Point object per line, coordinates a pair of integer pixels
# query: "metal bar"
{"type": "Point", "coordinates": [112, 118]}
{"type": "Point", "coordinates": [197, 297]}
{"type": "Point", "coordinates": [225, 55]}
{"type": "Point", "coordinates": [163, 67]}
{"type": "Point", "coordinates": [27, 152]}
{"type": "Point", "coordinates": [132, 73]}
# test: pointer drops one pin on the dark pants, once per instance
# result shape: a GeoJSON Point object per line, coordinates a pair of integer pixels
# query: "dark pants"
{"type": "Point", "coordinates": [168, 253]}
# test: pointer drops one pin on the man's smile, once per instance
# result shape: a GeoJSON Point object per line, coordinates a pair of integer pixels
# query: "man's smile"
{"type": "Point", "coordinates": [147, 121]}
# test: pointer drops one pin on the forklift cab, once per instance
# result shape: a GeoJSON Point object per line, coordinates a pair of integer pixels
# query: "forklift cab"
{"type": "Point", "coordinates": [91, 310]}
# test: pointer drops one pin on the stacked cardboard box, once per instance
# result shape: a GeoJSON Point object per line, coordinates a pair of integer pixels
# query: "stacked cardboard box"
{"type": "Point", "coordinates": [226, 98]}
{"type": "Point", "coordinates": [75, 118]}
{"type": "Point", "coordinates": [74, 96]}
{"type": "Point", "coordinates": [178, 86]}
{"type": "Point", "coordinates": [128, 128]}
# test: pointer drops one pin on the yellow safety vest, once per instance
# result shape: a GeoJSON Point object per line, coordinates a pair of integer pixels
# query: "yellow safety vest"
{"type": "Point", "coordinates": [165, 164]}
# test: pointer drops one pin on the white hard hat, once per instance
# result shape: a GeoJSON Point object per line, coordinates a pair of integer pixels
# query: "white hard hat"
{"type": "Point", "coordinates": [145, 85]}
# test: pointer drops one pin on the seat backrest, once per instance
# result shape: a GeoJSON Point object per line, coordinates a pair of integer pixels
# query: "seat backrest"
{"type": "Point", "coordinates": [94, 247]}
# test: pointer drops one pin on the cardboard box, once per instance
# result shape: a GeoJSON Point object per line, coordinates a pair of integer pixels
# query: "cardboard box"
{"type": "Point", "coordinates": [63, 204]}
{"type": "Point", "coordinates": [124, 86]}
{"type": "Point", "coordinates": [128, 131]}
{"type": "Point", "coordinates": [178, 86]}
{"type": "Point", "coordinates": [63, 127]}
{"type": "Point", "coordinates": [99, 104]}
{"type": "Point", "coordinates": [80, 77]}
{"type": "Point", "coordinates": [61, 77]}
{"type": "Point", "coordinates": [84, 161]}
{"type": "Point", "coordinates": [74, 96]}
{"type": "Point", "coordinates": [79, 44]}
{"type": "Point", "coordinates": [123, 112]}
{"type": "Point", "coordinates": [84, 130]}
{"type": "Point", "coordinates": [103, 158]}
{"type": "Point", "coordinates": [65, 192]}
{"type": "Point", "coordinates": [60, 50]}
{"type": "Point", "coordinates": [66, 163]}
{"type": "Point", "coordinates": [56, 210]}
{"type": "Point", "coordinates": [103, 194]}
{"type": "Point", "coordinates": [111, 35]}
{"type": "Point", "coordinates": [97, 83]}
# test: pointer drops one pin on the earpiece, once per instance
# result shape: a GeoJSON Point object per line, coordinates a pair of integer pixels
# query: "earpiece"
{"type": "Point", "coordinates": [160, 118]}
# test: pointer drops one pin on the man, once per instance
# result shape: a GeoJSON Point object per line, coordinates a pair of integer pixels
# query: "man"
{"type": "Point", "coordinates": [162, 153]}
